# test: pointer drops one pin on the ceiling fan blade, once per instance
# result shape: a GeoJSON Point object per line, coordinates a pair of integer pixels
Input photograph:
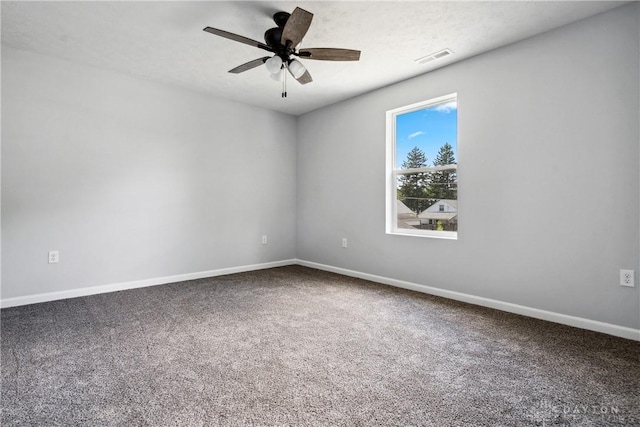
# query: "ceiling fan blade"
{"type": "Point", "coordinates": [249, 65]}
{"type": "Point", "coordinates": [305, 78]}
{"type": "Point", "coordinates": [296, 27]}
{"type": "Point", "coordinates": [237, 38]}
{"type": "Point", "coordinates": [330, 54]}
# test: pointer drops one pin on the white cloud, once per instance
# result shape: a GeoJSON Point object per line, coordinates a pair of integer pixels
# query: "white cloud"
{"type": "Point", "coordinates": [413, 135]}
{"type": "Point", "coordinates": [446, 108]}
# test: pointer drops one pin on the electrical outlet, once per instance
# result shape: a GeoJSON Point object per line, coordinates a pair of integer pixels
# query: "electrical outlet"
{"type": "Point", "coordinates": [264, 240]}
{"type": "Point", "coordinates": [626, 278]}
{"type": "Point", "coordinates": [344, 242]}
{"type": "Point", "coordinates": [54, 257]}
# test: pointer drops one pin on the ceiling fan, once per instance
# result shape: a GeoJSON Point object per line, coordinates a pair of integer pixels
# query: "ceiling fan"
{"type": "Point", "coordinates": [283, 41]}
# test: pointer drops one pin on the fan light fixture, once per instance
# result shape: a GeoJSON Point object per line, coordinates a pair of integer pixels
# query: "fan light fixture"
{"type": "Point", "coordinates": [296, 68]}
{"type": "Point", "coordinates": [273, 64]}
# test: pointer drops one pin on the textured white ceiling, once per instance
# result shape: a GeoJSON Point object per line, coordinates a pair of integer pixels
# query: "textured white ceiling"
{"type": "Point", "coordinates": [164, 41]}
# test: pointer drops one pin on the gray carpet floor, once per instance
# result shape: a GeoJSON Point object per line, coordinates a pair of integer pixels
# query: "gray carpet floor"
{"type": "Point", "coordinates": [297, 346]}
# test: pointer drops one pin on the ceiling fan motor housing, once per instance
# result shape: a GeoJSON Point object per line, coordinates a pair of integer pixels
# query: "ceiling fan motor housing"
{"type": "Point", "coordinates": [281, 18]}
{"type": "Point", "coordinates": [272, 37]}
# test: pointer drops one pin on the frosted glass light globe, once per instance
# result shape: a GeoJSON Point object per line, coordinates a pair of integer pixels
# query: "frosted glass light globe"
{"type": "Point", "coordinates": [273, 64]}
{"type": "Point", "coordinates": [296, 68]}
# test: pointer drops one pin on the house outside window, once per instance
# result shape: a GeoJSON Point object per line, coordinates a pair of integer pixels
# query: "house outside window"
{"type": "Point", "coordinates": [422, 183]}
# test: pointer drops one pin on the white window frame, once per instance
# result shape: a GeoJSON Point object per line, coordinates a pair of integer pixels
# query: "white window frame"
{"type": "Point", "coordinates": [392, 172]}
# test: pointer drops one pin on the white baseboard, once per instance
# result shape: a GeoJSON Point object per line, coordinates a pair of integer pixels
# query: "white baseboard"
{"type": "Point", "coordinates": [578, 322]}
{"type": "Point", "coordinates": [93, 290]}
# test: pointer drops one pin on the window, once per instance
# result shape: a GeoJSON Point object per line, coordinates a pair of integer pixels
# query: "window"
{"type": "Point", "coordinates": [422, 180]}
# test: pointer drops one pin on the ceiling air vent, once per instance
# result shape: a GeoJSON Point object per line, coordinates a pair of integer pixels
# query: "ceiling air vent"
{"type": "Point", "coordinates": [434, 56]}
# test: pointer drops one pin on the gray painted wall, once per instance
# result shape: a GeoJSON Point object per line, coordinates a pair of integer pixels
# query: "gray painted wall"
{"type": "Point", "coordinates": [548, 175]}
{"type": "Point", "coordinates": [132, 180]}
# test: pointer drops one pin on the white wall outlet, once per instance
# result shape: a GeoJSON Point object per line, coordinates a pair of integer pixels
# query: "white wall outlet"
{"type": "Point", "coordinates": [264, 240]}
{"type": "Point", "coordinates": [54, 257]}
{"type": "Point", "coordinates": [344, 242]}
{"type": "Point", "coordinates": [626, 278]}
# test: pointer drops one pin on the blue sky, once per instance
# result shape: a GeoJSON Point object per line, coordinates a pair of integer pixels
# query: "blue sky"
{"type": "Point", "coordinates": [427, 129]}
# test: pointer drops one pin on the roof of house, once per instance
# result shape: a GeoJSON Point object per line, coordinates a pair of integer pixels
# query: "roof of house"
{"type": "Point", "coordinates": [450, 202]}
{"type": "Point", "coordinates": [438, 215]}
{"type": "Point", "coordinates": [433, 213]}
{"type": "Point", "coordinates": [404, 209]}
{"type": "Point", "coordinates": [406, 217]}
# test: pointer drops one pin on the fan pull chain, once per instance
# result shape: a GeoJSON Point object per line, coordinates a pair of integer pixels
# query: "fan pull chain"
{"type": "Point", "coordinates": [284, 82]}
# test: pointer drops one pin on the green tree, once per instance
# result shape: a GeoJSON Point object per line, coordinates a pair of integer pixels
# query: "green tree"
{"type": "Point", "coordinates": [412, 189]}
{"type": "Point", "coordinates": [443, 184]}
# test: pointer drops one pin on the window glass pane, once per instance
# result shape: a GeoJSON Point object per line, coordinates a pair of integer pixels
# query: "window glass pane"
{"type": "Point", "coordinates": [419, 205]}
{"type": "Point", "coordinates": [422, 134]}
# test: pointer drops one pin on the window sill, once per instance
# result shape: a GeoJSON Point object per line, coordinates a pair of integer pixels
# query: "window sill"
{"type": "Point", "coordinates": [448, 236]}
